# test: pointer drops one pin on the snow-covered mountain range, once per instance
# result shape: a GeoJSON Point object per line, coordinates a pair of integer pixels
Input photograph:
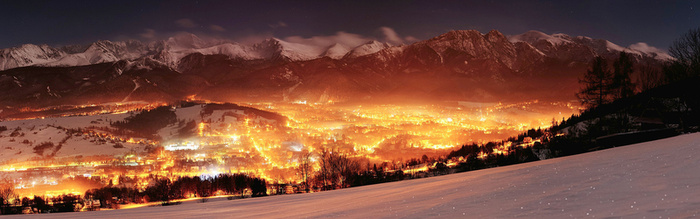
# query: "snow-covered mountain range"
{"type": "Point", "coordinates": [171, 50]}
{"type": "Point", "coordinates": [552, 44]}
{"type": "Point", "coordinates": [457, 65]}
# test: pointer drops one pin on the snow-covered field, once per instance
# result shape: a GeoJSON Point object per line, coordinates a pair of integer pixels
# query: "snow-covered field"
{"type": "Point", "coordinates": [658, 179]}
{"type": "Point", "coordinates": [35, 131]}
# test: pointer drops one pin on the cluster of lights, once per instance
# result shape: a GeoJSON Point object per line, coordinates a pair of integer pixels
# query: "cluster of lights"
{"type": "Point", "coordinates": [271, 149]}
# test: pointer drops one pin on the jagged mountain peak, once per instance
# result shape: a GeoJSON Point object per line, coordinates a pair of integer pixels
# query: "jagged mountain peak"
{"type": "Point", "coordinates": [491, 45]}
{"type": "Point", "coordinates": [457, 64]}
{"type": "Point", "coordinates": [456, 34]}
{"type": "Point", "coordinates": [28, 54]}
{"type": "Point", "coordinates": [105, 46]}
{"type": "Point", "coordinates": [274, 48]}
{"type": "Point", "coordinates": [458, 37]}
{"type": "Point", "coordinates": [495, 35]}
{"type": "Point", "coordinates": [29, 48]}
{"type": "Point", "coordinates": [269, 41]}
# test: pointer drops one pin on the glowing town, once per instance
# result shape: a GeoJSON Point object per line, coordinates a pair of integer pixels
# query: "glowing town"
{"type": "Point", "coordinates": [68, 155]}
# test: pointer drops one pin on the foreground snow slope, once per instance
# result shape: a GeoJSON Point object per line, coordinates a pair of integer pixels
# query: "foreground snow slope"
{"type": "Point", "coordinates": [653, 179]}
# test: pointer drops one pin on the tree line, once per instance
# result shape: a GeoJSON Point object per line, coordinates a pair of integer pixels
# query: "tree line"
{"type": "Point", "coordinates": [163, 190]}
{"type": "Point", "coordinates": [10, 203]}
{"type": "Point", "coordinates": [602, 85]}
{"type": "Point", "coordinates": [666, 97]}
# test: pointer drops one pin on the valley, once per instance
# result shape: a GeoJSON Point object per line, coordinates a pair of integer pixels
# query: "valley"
{"type": "Point", "coordinates": [264, 139]}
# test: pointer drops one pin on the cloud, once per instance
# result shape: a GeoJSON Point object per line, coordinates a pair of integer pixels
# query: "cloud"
{"type": "Point", "coordinates": [186, 23]}
{"type": "Point", "coordinates": [278, 25]}
{"type": "Point", "coordinates": [216, 28]}
{"type": "Point", "coordinates": [345, 39]}
{"type": "Point", "coordinates": [148, 34]}
{"type": "Point", "coordinates": [392, 37]}
{"type": "Point", "coordinates": [646, 48]}
{"type": "Point", "coordinates": [348, 40]}
{"type": "Point", "coordinates": [410, 39]}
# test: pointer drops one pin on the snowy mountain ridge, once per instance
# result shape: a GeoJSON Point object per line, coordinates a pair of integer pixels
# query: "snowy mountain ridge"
{"type": "Point", "coordinates": [28, 54]}
{"type": "Point", "coordinates": [171, 50]}
{"type": "Point", "coordinates": [335, 51]}
{"type": "Point", "coordinates": [457, 65]}
{"type": "Point", "coordinates": [601, 47]}
{"type": "Point", "coordinates": [370, 47]}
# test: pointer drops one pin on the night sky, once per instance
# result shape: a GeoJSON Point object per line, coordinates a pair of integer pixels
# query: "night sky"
{"type": "Point", "coordinates": [58, 23]}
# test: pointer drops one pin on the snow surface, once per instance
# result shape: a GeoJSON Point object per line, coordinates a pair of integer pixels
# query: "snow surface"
{"type": "Point", "coordinates": [534, 36]}
{"type": "Point", "coordinates": [136, 87]}
{"type": "Point", "coordinates": [653, 179]}
{"type": "Point", "coordinates": [36, 131]}
{"type": "Point", "coordinates": [98, 52]}
{"type": "Point", "coordinates": [370, 47]}
{"type": "Point", "coordinates": [27, 54]}
{"type": "Point", "coordinates": [33, 132]}
{"type": "Point", "coordinates": [297, 51]}
{"type": "Point", "coordinates": [229, 49]}
{"type": "Point", "coordinates": [335, 51]}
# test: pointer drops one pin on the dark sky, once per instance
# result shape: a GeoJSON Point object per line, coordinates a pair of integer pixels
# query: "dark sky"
{"type": "Point", "coordinates": [57, 22]}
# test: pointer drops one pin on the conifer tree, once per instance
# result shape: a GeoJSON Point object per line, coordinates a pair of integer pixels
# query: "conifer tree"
{"type": "Point", "coordinates": [597, 82]}
{"type": "Point", "coordinates": [622, 85]}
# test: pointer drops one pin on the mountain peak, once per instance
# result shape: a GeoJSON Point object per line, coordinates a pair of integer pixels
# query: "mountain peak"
{"type": "Point", "coordinates": [28, 54]}
{"type": "Point", "coordinates": [533, 36]}
{"type": "Point", "coordinates": [459, 34]}
{"type": "Point", "coordinates": [185, 40]}
{"type": "Point", "coordinates": [274, 48]}
{"type": "Point", "coordinates": [170, 51]}
{"type": "Point", "coordinates": [458, 64]}
{"type": "Point", "coordinates": [367, 48]}
{"type": "Point", "coordinates": [495, 36]}
{"type": "Point", "coordinates": [495, 33]}
{"type": "Point", "coordinates": [559, 44]}
{"type": "Point", "coordinates": [335, 51]}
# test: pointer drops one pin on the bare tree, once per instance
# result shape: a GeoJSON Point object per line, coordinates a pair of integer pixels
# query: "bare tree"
{"type": "Point", "coordinates": [336, 170]}
{"type": "Point", "coordinates": [324, 175]}
{"type": "Point", "coordinates": [305, 168]}
{"type": "Point", "coordinates": [650, 76]}
{"type": "Point", "coordinates": [686, 50]}
{"type": "Point", "coordinates": [7, 195]}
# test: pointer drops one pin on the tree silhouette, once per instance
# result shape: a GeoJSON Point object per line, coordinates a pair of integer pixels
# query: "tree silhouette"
{"type": "Point", "coordinates": [597, 82]}
{"type": "Point", "coordinates": [305, 168]}
{"type": "Point", "coordinates": [337, 170]}
{"type": "Point", "coordinates": [650, 76]}
{"type": "Point", "coordinates": [622, 85]}
{"type": "Point", "coordinates": [686, 50]}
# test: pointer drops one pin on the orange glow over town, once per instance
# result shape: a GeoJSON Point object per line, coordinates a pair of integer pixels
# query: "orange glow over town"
{"type": "Point", "coordinates": [237, 141]}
